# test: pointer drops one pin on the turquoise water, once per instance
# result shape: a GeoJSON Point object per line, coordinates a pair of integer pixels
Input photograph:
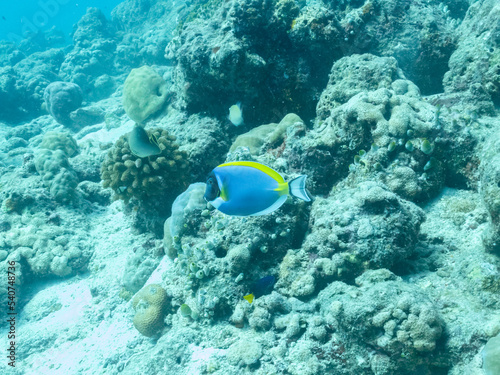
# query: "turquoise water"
{"type": "Point", "coordinates": [19, 18]}
{"type": "Point", "coordinates": [151, 161]}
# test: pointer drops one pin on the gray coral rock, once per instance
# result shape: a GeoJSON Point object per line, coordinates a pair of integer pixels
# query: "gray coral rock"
{"type": "Point", "coordinates": [368, 226]}
{"type": "Point", "coordinates": [475, 65]}
{"type": "Point", "coordinates": [52, 163]}
{"type": "Point", "coordinates": [61, 98]}
{"type": "Point", "coordinates": [400, 323]}
{"type": "Point", "coordinates": [490, 192]}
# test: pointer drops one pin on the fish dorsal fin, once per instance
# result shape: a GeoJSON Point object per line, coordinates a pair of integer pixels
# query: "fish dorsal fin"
{"type": "Point", "coordinates": [261, 167]}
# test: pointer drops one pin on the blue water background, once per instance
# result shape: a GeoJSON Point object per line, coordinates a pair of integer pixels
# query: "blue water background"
{"type": "Point", "coordinates": [18, 16]}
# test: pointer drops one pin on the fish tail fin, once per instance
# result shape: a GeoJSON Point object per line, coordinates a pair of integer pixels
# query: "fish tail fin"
{"type": "Point", "coordinates": [249, 297]}
{"type": "Point", "coordinates": [298, 188]}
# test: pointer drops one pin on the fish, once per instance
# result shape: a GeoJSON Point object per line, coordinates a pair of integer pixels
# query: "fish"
{"type": "Point", "coordinates": [260, 288]}
{"type": "Point", "coordinates": [141, 144]}
{"type": "Point", "coordinates": [236, 114]}
{"type": "Point", "coordinates": [247, 188]}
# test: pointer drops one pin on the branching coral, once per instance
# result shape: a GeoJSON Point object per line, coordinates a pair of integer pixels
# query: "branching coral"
{"type": "Point", "coordinates": [131, 176]}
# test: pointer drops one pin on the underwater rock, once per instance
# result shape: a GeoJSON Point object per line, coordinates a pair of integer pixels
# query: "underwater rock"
{"type": "Point", "coordinates": [91, 27]}
{"type": "Point", "coordinates": [380, 135]}
{"type": "Point", "coordinates": [22, 85]}
{"type": "Point", "coordinates": [401, 319]}
{"type": "Point", "coordinates": [222, 63]}
{"type": "Point", "coordinates": [140, 265]}
{"type": "Point", "coordinates": [86, 116]}
{"type": "Point", "coordinates": [92, 58]}
{"type": "Point", "coordinates": [206, 140]}
{"type": "Point", "coordinates": [352, 75]}
{"type": "Point", "coordinates": [474, 66]}
{"type": "Point", "coordinates": [491, 356]}
{"type": "Point", "coordinates": [490, 192]}
{"type": "Point", "coordinates": [245, 352]}
{"type": "Point", "coordinates": [61, 98]}
{"type": "Point", "coordinates": [93, 192]}
{"type": "Point", "coordinates": [364, 227]}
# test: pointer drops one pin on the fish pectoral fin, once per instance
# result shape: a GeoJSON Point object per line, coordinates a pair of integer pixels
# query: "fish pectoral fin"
{"type": "Point", "coordinates": [223, 194]}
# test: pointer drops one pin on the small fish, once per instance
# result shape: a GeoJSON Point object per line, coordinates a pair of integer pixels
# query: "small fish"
{"type": "Point", "coordinates": [141, 144]}
{"type": "Point", "coordinates": [3, 17]}
{"type": "Point", "coordinates": [235, 114]}
{"type": "Point", "coordinates": [247, 188]}
{"type": "Point", "coordinates": [260, 288]}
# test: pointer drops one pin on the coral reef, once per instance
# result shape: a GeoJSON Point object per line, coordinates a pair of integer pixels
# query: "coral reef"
{"type": "Point", "coordinates": [351, 230]}
{"type": "Point", "coordinates": [145, 178]}
{"type": "Point", "coordinates": [88, 63]}
{"type": "Point", "coordinates": [144, 93]}
{"type": "Point", "coordinates": [490, 192]}
{"type": "Point", "coordinates": [221, 62]}
{"type": "Point", "coordinates": [475, 64]}
{"type": "Point", "coordinates": [491, 351]}
{"type": "Point", "coordinates": [401, 323]}
{"type": "Point", "coordinates": [389, 107]}
{"type": "Point", "coordinates": [22, 85]}
{"type": "Point", "coordinates": [51, 162]}
{"type": "Point", "coordinates": [267, 135]}
{"type": "Point", "coordinates": [150, 305]}
{"type": "Point", "coordinates": [388, 134]}
{"type": "Point", "coordinates": [61, 98]}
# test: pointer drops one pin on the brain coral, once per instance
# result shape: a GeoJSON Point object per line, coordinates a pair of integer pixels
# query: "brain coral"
{"type": "Point", "coordinates": [144, 93]}
{"type": "Point", "coordinates": [149, 305]}
{"type": "Point", "coordinates": [131, 176]}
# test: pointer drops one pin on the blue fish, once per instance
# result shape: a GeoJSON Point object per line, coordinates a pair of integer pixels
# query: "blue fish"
{"type": "Point", "coordinates": [260, 288]}
{"type": "Point", "coordinates": [247, 188]}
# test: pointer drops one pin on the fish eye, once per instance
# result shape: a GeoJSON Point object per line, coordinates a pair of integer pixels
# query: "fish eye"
{"type": "Point", "coordinates": [212, 191]}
